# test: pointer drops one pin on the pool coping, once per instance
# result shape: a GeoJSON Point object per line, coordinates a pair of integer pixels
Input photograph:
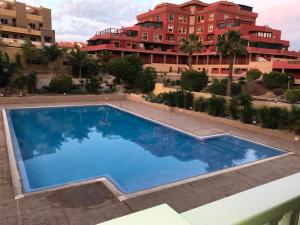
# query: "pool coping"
{"type": "Point", "coordinates": [17, 183]}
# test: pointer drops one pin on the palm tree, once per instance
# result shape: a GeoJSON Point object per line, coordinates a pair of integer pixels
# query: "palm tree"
{"type": "Point", "coordinates": [52, 53]}
{"type": "Point", "coordinates": [77, 59]}
{"type": "Point", "coordinates": [230, 45]}
{"type": "Point", "coordinates": [104, 58]}
{"type": "Point", "coordinates": [190, 45]}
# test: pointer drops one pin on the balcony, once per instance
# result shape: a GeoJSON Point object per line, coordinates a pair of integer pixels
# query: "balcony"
{"type": "Point", "coordinates": [275, 203]}
{"type": "Point", "coordinates": [21, 30]}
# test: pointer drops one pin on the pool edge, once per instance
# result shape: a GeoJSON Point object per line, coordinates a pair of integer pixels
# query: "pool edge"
{"type": "Point", "coordinates": [16, 178]}
{"type": "Point", "coordinates": [121, 196]}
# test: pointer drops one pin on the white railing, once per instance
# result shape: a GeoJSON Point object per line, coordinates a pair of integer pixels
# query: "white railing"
{"type": "Point", "coordinates": [275, 203]}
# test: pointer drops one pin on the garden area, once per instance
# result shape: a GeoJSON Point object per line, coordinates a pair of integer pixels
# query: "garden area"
{"type": "Point", "coordinates": [81, 73]}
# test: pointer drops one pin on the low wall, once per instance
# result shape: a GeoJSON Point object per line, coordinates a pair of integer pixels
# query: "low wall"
{"type": "Point", "coordinates": [228, 122]}
{"type": "Point", "coordinates": [159, 88]}
{"type": "Point", "coordinates": [59, 99]}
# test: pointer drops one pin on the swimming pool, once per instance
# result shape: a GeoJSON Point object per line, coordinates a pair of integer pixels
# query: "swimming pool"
{"type": "Point", "coordinates": [55, 146]}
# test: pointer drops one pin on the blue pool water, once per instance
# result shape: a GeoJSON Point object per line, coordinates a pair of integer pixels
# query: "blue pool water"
{"type": "Point", "coordinates": [56, 146]}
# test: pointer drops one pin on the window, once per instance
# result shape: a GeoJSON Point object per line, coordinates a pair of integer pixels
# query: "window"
{"type": "Point", "coordinates": [32, 25]}
{"type": "Point", "coordinates": [200, 29]}
{"type": "Point", "coordinates": [5, 36]}
{"type": "Point", "coordinates": [158, 18]}
{"type": "Point", "coordinates": [33, 39]}
{"type": "Point", "coordinates": [210, 28]}
{"type": "Point", "coordinates": [158, 37]}
{"type": "Point", "coordinates": [170, 28]}
{"type": "Point", "coordinates": [211, 16]}
{"type": "Point", "coordinates": [117, 44]}
{"type": "Point", "coordinates": [200, 19]}
{"type": "Point", "coordinates": [182, 19]}
{"type": "Point", "coordinates": [4, 21]}
{"type": "Point", "coordinates": [128, 44]}
{"type": "Point", "coordinates": [145, 36]}
{"type": "Point", "coordinates": [171, 17]}
{"type": "Point", "coordinates": [181, 30]}
{"type": "Point", "coordinates": [226, 16]}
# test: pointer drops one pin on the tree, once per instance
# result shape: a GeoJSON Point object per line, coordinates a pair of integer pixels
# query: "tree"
{"type": "Point", "coordinates": [7, 68]}
{"type": "Point", "coordinates": [276, 79]}
{"type": "Point", "coordinates": [52, 53]}
{"type": "Point", "coordinates": [29, 52]}
{"type": "Point", "coordinates": [231, 45]}
{"type": "Point", "coordinates": [190, 45]}
{"type": "Point", "coordinates": [20, 84]}
{"type": "Point", "coordinates": [146, 80]}
{"type": "Point", "coordinates": [61, 84]}
{"type": "Point", "coordinates": [193, 80]}
{"type": "Point", "coordinates": [126, 69]}
{"type": "Point", "coordinates": [253, 74]}
{"type": "Point", "coordinates": [104, 59]}
{"type": "Point", "coordinates": [77, 59]}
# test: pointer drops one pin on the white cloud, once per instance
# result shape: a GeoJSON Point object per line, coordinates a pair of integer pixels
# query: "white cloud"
{"type": "Point", "coordinates": [80, 19]}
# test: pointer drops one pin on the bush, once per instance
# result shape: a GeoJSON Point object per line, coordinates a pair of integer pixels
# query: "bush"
{"type": "Point", "coordinates": [247, 114]}
{"type": "Point", "coordinates": [253, 74]}
{"type": "Point", "coordinates": [146, 80]}
{"type": "Point", "coordinates": [92, 86]}
{"type": "Point", "coordinates": [242, 80]}
{"type": "Point", "coordinates": [200, 105]}
{"type": "Point", "coordinates": [216, 106]}
{"type": "Point", "coordinates": [189, 99]}
{"type": "Point", "coordinates": [20, 83]}
{"type": "Point", "coordinates": [31, 83]}
{"type": "Point", "coordinates": [273, 117]}
{"type": "Point", "coordinates": [193, 80]}
{"type": "Point", "coordinates": [219, 87]}
{"type": "Point", "coordinates": [234, 108]}
{"type": "Point", "coordinates": [180, 99]}
{"type": "Point", "coordinates": [294, 119]}
{"type": "Point", "coordinates": [155, 99]}
{"type": "Point", "coordinates": [292, 95]}
{"type": "Point", "coordinates": [276, 79]}
{"type": "Point", "coordinates": [127, 69]}
{"type": "Point", "coordinates": [61, 84]}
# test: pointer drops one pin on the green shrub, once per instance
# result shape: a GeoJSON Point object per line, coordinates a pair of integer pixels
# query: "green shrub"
{"type": "Point", "coordinates": [219, 87]}
{"type": "Point", "coordinates": [273, 117]}
{"type": "Point", "coordinates": [236, 89]}
{"type": "Point", "coordinates": [193, 80]}
{"type": "Point", "coordinates": [189, 99]}
{"type": "Point", "coordinates": [253, 74]}
{"type": "Point", "coordinates": [292, 95]}
{"type": "Point", "coordinates": [234, 108]}
{"type": "Point", "coordinates": [276, 79]}
{"type": "Point", "coordinates": [31, 83]}
{"type": "Point", "coordinates": [92, 86]}
{"type": "Point", "coordinates": [216, 106]}
{"type": "Point", "coordinates": [146, 80]}
{"type": "Point", "coordinates": [20, 83]}
{"type": "Point", "coordinates": [180, 99]}
{"type": "Point", "coordinates": [294, 119]}
{"type": "Point", "coordinates": [242, 80]}
{"type": "Point", "coordinates": [200, 105]}
{"type": "Point", "coordinates": [61, 84]}
{"type": "Point", "coordinates": [170, 99]}
{"type": "Point", "coordinates": [247, 114]}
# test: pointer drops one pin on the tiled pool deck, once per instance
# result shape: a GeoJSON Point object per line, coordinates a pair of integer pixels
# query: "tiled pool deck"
{"type": "Point", "coordinates": [94, 203]}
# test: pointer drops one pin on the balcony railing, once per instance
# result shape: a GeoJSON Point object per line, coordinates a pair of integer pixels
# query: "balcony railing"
{"type": "Point", "coordinates": [275, 203]}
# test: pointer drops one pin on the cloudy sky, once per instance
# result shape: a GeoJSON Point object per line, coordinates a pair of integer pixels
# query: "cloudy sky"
{"type": "Point", "coordinates": [77, 20]}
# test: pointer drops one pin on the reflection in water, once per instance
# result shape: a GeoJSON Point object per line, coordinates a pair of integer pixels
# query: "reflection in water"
{"type": "Point", "coordinates": [46, 131]}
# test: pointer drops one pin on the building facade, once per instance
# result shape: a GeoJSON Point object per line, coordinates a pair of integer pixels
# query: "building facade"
{"type": "Point", "coordinates": [19, 22]}
{"type": "Point", "coordinates": [157, 35]}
